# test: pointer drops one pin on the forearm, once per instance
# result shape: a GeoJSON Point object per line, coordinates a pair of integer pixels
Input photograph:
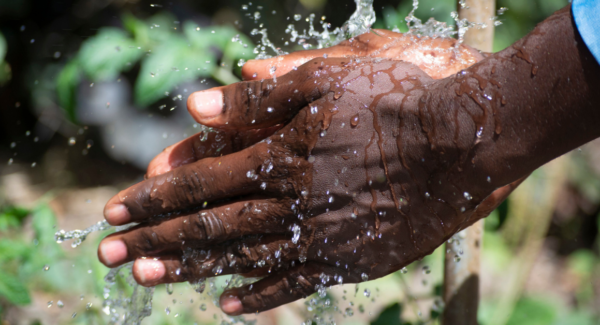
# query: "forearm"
{"type": "Point", "coordinates": [531, 103]}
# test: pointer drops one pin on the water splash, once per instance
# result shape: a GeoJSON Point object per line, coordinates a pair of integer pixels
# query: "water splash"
{"type": "Point", "coordinates": [359, 22]}
{"type": "Point", "coordinates": [80, 235]}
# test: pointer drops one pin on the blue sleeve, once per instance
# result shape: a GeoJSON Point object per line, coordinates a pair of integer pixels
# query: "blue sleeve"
{"type": "Point", "coordinates": [587, 19]}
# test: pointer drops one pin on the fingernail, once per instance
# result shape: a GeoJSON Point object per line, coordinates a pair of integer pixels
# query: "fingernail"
{"type": "Point", "coordinates": [149, 270]}
{"type": "Point", "coordinates": [231, 305]}
{"type": "Point", "coordinates": [208, 103]}
{"type": "Point", "coordinates": [117, 214]}
{"type": "Point", "coordinates": [113, 251]}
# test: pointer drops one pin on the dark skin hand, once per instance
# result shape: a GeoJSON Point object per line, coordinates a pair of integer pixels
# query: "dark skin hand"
{"type": "Point", "coordinates": [376, 165]}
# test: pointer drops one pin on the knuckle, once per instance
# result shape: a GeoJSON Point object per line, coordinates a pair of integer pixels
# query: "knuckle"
{"type": "Point", "coordinates": [205, 226]}
{"type": "Point", "coordinates": [147, 242]}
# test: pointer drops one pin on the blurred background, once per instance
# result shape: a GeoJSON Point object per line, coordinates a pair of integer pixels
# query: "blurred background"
{"type": "Point", "coordinates": [91, 90]}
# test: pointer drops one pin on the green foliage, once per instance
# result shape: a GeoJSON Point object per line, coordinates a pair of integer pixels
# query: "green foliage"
{"type": "Point", "coordinates": [19, 257]}
{"type": "Point", "coordinates": [167, 57]}
{"type": "Point", "coordinates": [105, 55]}
{"type": "Point", "coordinates": [172, 63]}
{"type": "Point", "coordinates": [389, 316]}
{"type": "Point", "coordinates": [66, 88]}
{"type": "Point", "coordinates": [12, 217]}
{"type": "Point", "coordinates": [533, 311]}
{"type": "Point", "coordinates": [13, 290]}
{"type": "Point", "coordinates": [5, 72]}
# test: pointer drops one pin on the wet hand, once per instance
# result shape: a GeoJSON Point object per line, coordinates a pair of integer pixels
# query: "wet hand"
{"type": "Point", "coordinates": [341, 187]}
{"type": "Point", "coordinates": [434, 56]}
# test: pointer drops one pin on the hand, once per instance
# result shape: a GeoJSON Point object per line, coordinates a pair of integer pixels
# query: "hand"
{"type": "Point", "coordinates": [272, 211]}
{"type": "Point", "coordinates": [436, 57]}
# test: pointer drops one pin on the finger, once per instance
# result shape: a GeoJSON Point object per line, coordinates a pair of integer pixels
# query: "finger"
{"type": "Point", "coordinates": [281, 288]}
{"type": "Point", "coordinates": [196, 230]}
{"type": "Point", "coordinates": [363, 45]}
{"type": "Point", "coordinates": [191, 186]}
{"type": "Point", "coordinates": [258, 104]}
{"type": "Point", "coordinates": [280, 65]}
{"type": "Point", "coordinates": [248, 256]}
{"type": "Point", "coordinates": [208, 143]}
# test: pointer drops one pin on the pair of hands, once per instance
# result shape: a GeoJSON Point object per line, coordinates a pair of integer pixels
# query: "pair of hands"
{"type": "Point", "coordinates": [328, 171]}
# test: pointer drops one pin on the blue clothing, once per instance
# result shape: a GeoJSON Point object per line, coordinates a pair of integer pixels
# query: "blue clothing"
{"type": "Point", "coordinates": [587, 19]}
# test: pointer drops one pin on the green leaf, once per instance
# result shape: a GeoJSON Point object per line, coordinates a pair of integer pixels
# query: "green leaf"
{"type": "Point", "coordinates": [66, 87]}
{"type": "Point", "coordinates": [44, 223]}
{"type": "Point", "coordinates": [5, 71]}
{"type": "Point", "coordinates": [389, 316]}
{"type": "Point", "coordinates": [3, 47]}
{"type": "Point", "coordinates": [227, 39]}
{"type": "Point", "coordinates": [12, 217]}
{"type": "Point", "coordinates": [533, 311]}
{"type": "Point", "coordinates": [13, 290]}
{"type": "Point", "coordinates": [104, 56]}
{"type": "Point", "coordinates": [137, 28]}
{"type": "Point", "coordinates": [171, 63]}
{"type": "Point", "coordinates": [582, 262]}
{"type": "Point", "coordinates": [13, 249]}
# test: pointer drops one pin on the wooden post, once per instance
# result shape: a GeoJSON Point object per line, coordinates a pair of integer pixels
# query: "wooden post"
{"type": "Point", "coordinates": [461, 277]}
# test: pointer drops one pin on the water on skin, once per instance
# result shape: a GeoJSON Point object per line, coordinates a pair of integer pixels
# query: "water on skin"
{"type": "Point", "coordinates": [131, 310]}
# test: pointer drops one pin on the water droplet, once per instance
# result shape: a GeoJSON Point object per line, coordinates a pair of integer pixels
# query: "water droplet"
{"type": "Point", "coordinates": [50, 303]}
{"type": "Point", "coordinates": [367, 293]}
{"type": "Point", "coordinates": [311, 159]}
{"type": "Point", "coordinates": [33, 164]}
{"type": "Point", "coordinates": [72, 141]}
{"type": "Point", "coordinates": [217, 270]}
{"type": "Point", "coordinates": [169, 287]}
{"type": "Point", "coordinates": [354, 121]}
{"type": "Point", "coordinates": [349, 312]}
{"type": "Point", "coordinates": [167, 310]}
{"type": "Point", "coordinates": [489, 180]}
{"type": "Point", "coordinates": [296, 230]}
{"type": "Point", "coordinates": [203, 307]}
{"type": "Point", "coordinates": [270, 109]}
{"type": "Point", "coordinates": [331, 199]}
{"type": "Point", "coordinates": [404, 270]}
{"type": "Point", "coordinates": [74, 315]}
{"type": "Point", "coordinates": [467, 196]}
{"type": "Point", "coordinates": [314, 109]}
{"type": "Point", "coordinates": [60, 304]}
{"type": "Point", "coordinates": [46, 267]}
{"type": "Point", "coordinates": [364, 276]}
{"type": "Point", "coordinates": [297, 17]}
{"type": "Point", "coordinates": [10, 161]}
{"type": "Point", "coordinates": [263, 185]}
